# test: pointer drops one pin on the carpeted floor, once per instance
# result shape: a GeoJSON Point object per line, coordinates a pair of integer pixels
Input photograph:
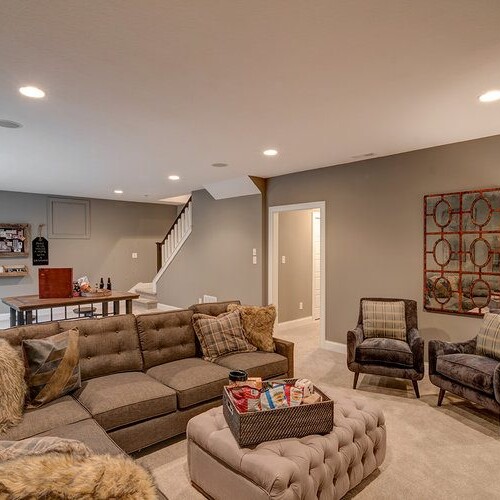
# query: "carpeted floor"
{"type": "Point", "coordinates": [450, 452]}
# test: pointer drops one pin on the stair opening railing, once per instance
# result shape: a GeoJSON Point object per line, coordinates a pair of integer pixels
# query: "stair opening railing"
{"type": "Point", "coordinates": [175, 235]}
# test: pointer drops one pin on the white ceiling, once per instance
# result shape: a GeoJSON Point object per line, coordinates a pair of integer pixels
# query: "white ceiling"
{"type": "Point", "coordinates": [141, 89]}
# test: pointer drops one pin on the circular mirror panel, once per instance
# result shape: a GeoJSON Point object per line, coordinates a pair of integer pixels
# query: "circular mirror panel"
{"type": "Point", "coordinates": [480, 293]}
{"type": "Point", "coordinates": [442, 252]}
{"type": "Point", "coordinates": [442, 213]}
{"type": "Point", "coordinates": [480, 252]}
{"type": "Point", "coordinates": [480, 211]}
{"type": "Point", "coordinates": [442, 290]}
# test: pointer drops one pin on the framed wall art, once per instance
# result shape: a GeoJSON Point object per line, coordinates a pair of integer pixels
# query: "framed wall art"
{"type": "Point", "coordinates": [14, 240]}
{"type": "Point", "coordinates": [462, 252]}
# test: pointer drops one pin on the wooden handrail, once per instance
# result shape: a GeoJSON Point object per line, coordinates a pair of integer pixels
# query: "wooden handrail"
{"type": "Point", "coordinates": [175, 221]}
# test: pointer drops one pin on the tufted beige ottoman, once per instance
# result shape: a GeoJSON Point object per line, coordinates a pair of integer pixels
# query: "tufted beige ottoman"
{"type": "Point", "coordinates": [324, 467]}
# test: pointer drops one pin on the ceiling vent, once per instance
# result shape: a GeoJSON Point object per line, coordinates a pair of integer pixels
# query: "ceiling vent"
{"type": "Point", "coordinates": [9, 124]}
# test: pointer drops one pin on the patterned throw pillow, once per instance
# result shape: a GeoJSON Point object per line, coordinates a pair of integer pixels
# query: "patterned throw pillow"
{"type": "Point", "coordinates": [488, 339]}
{"type": "Point", "coordinates": [52, 366]}
{"type": "Point", "coordinates": [384, 319]}
{"type": "Point", "coordinates": [220, 335]}
{"type": "Point", "coordinates": [258, 324]}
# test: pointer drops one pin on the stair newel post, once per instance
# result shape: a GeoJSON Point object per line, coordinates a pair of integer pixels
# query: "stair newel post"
{"type": "Point", "coordinates": [159, 263]}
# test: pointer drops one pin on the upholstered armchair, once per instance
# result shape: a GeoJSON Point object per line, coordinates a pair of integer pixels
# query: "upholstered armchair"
{"type": "Point", "coordinates": [387, 356]}
{"type": "Point", "coordinates": [456, 367]}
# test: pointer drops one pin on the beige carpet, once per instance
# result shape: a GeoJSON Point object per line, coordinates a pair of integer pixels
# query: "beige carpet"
{"type": "Point", "coordinates": [450, 452]}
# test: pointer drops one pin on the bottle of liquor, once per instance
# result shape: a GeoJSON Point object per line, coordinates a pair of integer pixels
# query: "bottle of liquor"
{"type": "Point", "coordinates": [101, 284]}
{"type": "Point", "coordinates": [108, 284]}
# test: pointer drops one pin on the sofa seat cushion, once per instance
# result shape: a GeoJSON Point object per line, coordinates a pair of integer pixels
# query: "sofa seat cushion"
{"type": "Point", "coordinates": [471, 370]}
{"type": "Point", "coordinates": [124, 398]}
{"type": "Point", "coordinates": [88, 432]}
{"type": "Point", "coordinates": [61, 411]}
{"type": "Point", "coordinates": [195, 380]}
{"type": "Point", "coordinates": [383, 350]}
{"type": "Point", "coordinates": [256, 364]}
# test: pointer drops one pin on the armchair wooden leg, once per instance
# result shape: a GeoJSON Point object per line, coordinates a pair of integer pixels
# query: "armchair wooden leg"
{"type": "Point", "coordinates": [355, 383]}
{"type": "Point", "coordinates": [441, 396]}
{"type": "Point", "coordinates": [415, 388]}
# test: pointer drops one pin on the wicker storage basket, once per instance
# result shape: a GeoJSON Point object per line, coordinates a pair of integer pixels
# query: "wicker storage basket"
{"type": "Point", "coordinates": [268, 425]}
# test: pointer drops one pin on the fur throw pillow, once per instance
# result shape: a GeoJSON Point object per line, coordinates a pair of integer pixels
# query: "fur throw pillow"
{"type": "Point", "coordinates": [70, 477]}
{"type": "Point", "coordinates": [258, 324]}
{"type": "Point", "coordinates": [40, 445]}
{"type": "Point", "coordinates": [12, 386]}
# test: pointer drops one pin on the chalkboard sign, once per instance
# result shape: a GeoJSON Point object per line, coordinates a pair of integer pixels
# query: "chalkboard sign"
{"type": "Point", "coordinates": [40, 248]}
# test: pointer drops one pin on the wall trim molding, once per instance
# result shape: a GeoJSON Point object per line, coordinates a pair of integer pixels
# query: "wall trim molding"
{"type": "Point", "coordinates": [295, 323]}
{"type": "Point", "coordinates": [329, 345]}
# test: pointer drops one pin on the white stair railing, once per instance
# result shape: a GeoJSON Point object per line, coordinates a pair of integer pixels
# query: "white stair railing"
{"type": "Point", "coordinates": [173, 241]}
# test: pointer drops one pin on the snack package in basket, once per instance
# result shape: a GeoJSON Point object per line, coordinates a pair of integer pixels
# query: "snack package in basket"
{"type": "Point", "coordinates": [245, 398]}
{"type": "Point", "coordinates": [274, 398]}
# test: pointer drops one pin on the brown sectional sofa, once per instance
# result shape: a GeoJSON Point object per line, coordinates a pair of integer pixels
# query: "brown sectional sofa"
{"type": "Point", "coordinates": [143, 378]}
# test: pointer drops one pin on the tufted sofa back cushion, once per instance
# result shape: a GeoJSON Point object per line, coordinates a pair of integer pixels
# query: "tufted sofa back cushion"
{"type": "Point", "coordinates": [14, 336]}
{"type": "Point", "coordinates": [166, 337]}
{"type": "Point", "coordinates": [107, 345]}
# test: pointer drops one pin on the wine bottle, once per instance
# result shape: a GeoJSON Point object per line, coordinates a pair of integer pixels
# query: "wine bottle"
{"type": "Point", "coordinates": [101, 284]}
{"type": "Point", "coordinates": [108, 284]}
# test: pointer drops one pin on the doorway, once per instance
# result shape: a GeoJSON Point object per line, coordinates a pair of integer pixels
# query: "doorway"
{"type": "Point", "coordinates": [296, 265]}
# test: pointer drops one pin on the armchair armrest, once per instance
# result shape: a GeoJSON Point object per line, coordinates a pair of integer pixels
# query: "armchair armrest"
{"type": "Point", "coordinates": [416, 343]}
{"type": "Point", "coordinates": [285, 348]}
{"type": "Point", "coordinates": [439, 348]}
{"type": "Point", "coordinates": [354, 338]}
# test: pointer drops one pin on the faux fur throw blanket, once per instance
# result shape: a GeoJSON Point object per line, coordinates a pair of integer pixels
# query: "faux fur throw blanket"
{"type": "Point", "coordinates": [64, 476]}
{"type": "Point", "coordinates": [12, 386]}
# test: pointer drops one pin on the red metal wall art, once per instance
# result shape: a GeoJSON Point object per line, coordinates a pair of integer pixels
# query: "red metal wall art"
{"type": "Point", "coordinates": [462, 252]}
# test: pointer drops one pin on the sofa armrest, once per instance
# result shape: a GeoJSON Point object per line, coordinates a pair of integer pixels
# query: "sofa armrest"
{"type": "Point", "coordinates": [496, 383]}
{"type": "Point", "coordinates": [285, 348]}
{"type": "Point", "coordinates": [440, 348]}
{"type": "Point", "coordinates": [416, 343]}
{"type": "Point", "coordinates": [354, 338]}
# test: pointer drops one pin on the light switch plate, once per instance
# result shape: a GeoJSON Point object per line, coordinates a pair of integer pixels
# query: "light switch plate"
{"type": "Point", "coordinates": [134, 255]}
{"type": "Point", "coordinates": [254, 259]}
{"type": "Point", "coordinates": [283, 259]}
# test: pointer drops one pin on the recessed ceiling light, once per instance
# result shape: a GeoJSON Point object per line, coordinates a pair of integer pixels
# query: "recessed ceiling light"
{"type": "Point", "coordinates": [118, 191]}
{"type": "Point", "coordinates": [490, 96]}
{"type": "Point", "coordinates": [219, 165]}
{"type": "Point", "coordinates": [174, 177]}
{"type": "Point", "coordinates": [9, 124]}
{"type": "Point", "coordinates": [33, 92]}
{"type": "Point", "coordinates": [270, 152]}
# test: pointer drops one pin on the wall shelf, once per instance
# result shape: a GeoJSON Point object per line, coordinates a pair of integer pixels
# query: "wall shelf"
{"type": "Point", "coordinates": [13, 271]}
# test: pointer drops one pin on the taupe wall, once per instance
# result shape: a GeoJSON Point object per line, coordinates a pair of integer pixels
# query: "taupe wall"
{"type": "Point", "coordinates": [374, 225]}
{"type": "Point", "coordinates": [217, 257]}
{"type": "Point", "coordinates": [117, 230]}
{"type": "Point", "coordinates": [295, 275]}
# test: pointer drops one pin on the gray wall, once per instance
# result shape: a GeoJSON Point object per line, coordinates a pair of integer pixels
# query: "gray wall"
{"type": "Point", "coordinates": [117, 230]}
{"type": "Point", "coordinates": [295, 275]}
{"type": "Point", "coordinates": [374, 225]}
{"type": "Point", "coordinates": [217, 257]}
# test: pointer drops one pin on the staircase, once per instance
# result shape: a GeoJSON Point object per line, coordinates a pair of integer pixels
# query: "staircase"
{"type": "Point", "coordinates": [166, 250]}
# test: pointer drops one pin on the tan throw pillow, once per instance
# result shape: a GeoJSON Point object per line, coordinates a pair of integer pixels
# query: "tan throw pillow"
{"type": "Point", "coordinates": [220, 335]}
{"type": "Point", "coordinates": [488, 339]}
{"type": "Point", "coordinates": [258, 324]}
{"type": "Point", "coordinates": [384, 319]}
{"type": "Point", "coordinates": [12, 386]}
{"type": "Point", "coordinates": [52, 366]}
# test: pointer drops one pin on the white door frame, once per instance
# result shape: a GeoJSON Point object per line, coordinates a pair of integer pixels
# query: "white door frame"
{"type": "Point", "coordinates": [272, 256]}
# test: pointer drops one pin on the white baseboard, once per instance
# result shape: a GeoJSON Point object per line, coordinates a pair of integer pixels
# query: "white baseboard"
{"type": "Point", "coordinates": [334, 346]}
{"type": "Point", "coordinates": [294, 323]}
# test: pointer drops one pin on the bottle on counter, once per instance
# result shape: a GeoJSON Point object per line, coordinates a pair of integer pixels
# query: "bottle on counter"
{"type": "Point", "coordinates": [108, 284]}
{"type": "Point", "coordinates": [101, 284]}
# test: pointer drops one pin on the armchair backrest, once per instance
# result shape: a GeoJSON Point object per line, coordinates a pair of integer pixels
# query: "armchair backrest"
{"type": "Point", "coordinates": [410, 310]}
